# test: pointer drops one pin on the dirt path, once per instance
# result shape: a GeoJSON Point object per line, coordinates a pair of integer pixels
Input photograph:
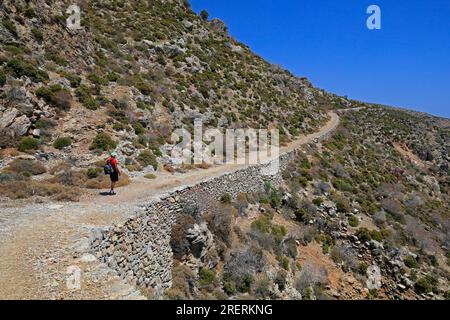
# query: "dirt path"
{"type": "Point", "coordinates": [43, 245]}
{"type": "Point", "coordinates": [142, 189]}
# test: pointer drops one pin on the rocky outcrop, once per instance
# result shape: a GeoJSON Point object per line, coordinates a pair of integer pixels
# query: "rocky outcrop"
{"type": "Point", "coordinates": [19, 111]}
{"type": "Point", "coordinates": [219, 26]}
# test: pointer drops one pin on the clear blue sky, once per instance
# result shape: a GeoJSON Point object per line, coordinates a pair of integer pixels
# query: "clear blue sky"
{"type": "Point", "coordinates": [405, 64]}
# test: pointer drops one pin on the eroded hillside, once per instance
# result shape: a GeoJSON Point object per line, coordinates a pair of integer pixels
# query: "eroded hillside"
{"type": "Point", "coordinates": [346, 205]}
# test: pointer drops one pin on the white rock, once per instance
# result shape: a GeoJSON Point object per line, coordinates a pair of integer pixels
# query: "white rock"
{"type": "Point", "coordinates": [87, 258]}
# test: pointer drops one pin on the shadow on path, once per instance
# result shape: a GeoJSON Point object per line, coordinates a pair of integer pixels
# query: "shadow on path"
{"type": "Point", "coordinates": [104, 193]}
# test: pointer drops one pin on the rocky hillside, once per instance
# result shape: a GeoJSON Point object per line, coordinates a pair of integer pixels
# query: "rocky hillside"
{"type": "Point", "coordinates": [368, 196]}
{"type": "Point", "coordinates": [136, 71]}
{"type": "Point", "coordinates": [375, 193]}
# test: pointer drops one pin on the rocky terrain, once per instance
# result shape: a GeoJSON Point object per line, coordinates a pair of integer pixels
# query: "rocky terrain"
{"type": "Point", "coordinates": [363, 214]}
{"type": "Point", "coordinates": [71, 96]}
{"type": "Point", "coordinates": [356, 217]}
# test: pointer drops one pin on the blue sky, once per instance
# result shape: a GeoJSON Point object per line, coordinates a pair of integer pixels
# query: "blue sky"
{"type": "Point", "coordinates": [405, 64]}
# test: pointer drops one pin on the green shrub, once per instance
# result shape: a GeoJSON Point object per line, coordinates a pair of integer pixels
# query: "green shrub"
{"type": "Point", "coordinates": [377, 235]}
{"type": "Point", "coordinates": [143, 106]}
{"type": "Point", "coordinates": [229, 287]}
{"type": "Point", "coordinates": [246, 284]}
{"type": "Point", "coordinates": [410, 262]}
{"type": "Point", "coordinates": [342, 184]}
{"type": "Point", "coordinates": [305, 164]}
{"type": "Point", "coordinates": [21, 68]}
{"type": "Point", "coordinates": [207, 277]}
{"type": "Point", "coordinates": [262, 287]}
{"type": "Point", "coordinates": [264, 199]}
{"type": "Point", "coordinates": [103, 141]}
{"type": "Point", "coordinates": [225, 198]}
{"type": "Point", "coordinates": [10, 26]}
{"type": "Point", "coordinates": [90, 103]}
{"type": "Point", "coordinates": [74, 80]}
{"type": "Point", "coordinates": [362, 268]}
{"type": "Point", "coordinates": [93, 172]}
{"type": "Point", "coordinates": [155, 150]}
{"type": "Point", "coordinates": [84, 95]}
{"type": "Point", "coordinates": [300, 214]}
{"type": "Point", "coordinates": [342, 204]}
{"type": "Point", "coordinates": [144, 88]}
{"type": "Point", "coordinates": [284, 262]}
{"type": "Point", "coordinates": [45, 126]}
{"type": "Point", "coordinates": [279, 232]}
{"type": "Point", "coordinates": [56, 58]}
{"type": "Point", "coordinates": [303, 181]}
{"type": "Point", "coordinates": [29, 13]}
{"type": "Point", "coordinates": [13, 49]}
{"type": "Point", "coordinates": [62, 142]}
{"type": "Point", "coordinates": [317, 201]}
{"type": "Point", "coordinates": [204, 15]}
{"type": "Point", "coordinates": [262, 224]}
{"type": "Point", "coordinates": [55, 96]}
{"type": "Point", "coordinates": [95, 79]}
{"type": "Point", "coordinates": [2, 77]}
{"type": "Point", "coordinates": [150, 176]}
{"type": "Point", "coordinates": [147, 158]}
{"type": "Point", "coordinates": [37, 34]}
{"type": "Point", "coordinates": [363, 235]}
{"type": "Point", "coordinates": [28, 143]}
{"type": "Point", "coordinates": [425, 285]}
{"type": "Point", "coordinates": [112, 77]}
{"type": "Point", "coordinates": [274, 194]}
{"type": "Point", "coordinates": [138, 128]}
{"type": "Point", "coordinates": [353, 221]}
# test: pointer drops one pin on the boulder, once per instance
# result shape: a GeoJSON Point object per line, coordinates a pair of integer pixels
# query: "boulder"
{"type": "Point", "coordinates": [169, 50]}
{"type": "Point", "coordinates": [21, 125]}
{"type": "Point", "coordinates": [188, 25]}
{"type": "Point", "coordinates": [201, 240]}
{"type": "Point", "coordinates": [25, 107]}
{"type": "Point", "coordinates": [17, 94]}
{"type": "Point", "coordinates": [7, 118]}
{"type": "Point", "coordinates": [127, 148]}
{"type": "Point", "coordinates": [219, 26]}
{"type": "Point", "coordinates": [36, 133]}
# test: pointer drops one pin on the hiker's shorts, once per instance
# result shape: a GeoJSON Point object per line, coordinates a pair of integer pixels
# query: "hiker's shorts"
{"type": "Point", "coordinates": [114, 176]}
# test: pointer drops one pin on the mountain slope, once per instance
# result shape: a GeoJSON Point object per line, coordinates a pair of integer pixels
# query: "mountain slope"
{"type": "Point", "coordinates": [375, 193]}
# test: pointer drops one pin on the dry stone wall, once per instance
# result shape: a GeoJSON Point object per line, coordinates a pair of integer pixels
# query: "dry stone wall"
{"type": "Point", "coordinates": [139, 250]}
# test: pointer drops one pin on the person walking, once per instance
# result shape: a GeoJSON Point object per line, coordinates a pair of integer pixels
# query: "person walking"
{"type": "Point", "coordinates": [115, 171]}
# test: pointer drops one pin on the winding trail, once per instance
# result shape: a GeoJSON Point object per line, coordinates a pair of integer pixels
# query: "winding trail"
{"type": "Point", "coordinates": [41, 244]}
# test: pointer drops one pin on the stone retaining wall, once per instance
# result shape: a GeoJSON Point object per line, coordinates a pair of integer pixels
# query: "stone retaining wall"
{"type": "Point", "coordinates": [139, 250]}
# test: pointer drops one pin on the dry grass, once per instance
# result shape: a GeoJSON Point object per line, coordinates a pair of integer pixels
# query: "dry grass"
{"type": "Point", "coordinates": [8, 152]}
{"type": "Point", "coordinates": [103, 182]}
{"type": "Point", "coordinates": [27, 167]}
{"type": "Point", "coordinates": [24, 189]}
{"type": "Point", "coordinates": [186, 166]}
{"type": "Point", "coordinates": [169, 168]}
{"type": "Point", "coordinates": [202, 165]}
{"type": "Point", "coordinates": [65, 185]}
{"type": "Point", "coordinates": [80, 179]}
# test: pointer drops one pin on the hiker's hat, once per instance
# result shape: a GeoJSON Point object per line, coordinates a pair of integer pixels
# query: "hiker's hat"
{"type": "Point", "coordinates": [114, 154]}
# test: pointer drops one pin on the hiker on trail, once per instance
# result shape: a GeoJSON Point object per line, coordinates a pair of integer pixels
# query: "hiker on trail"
{"type": "Point", "coordinates": [112, 167]}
